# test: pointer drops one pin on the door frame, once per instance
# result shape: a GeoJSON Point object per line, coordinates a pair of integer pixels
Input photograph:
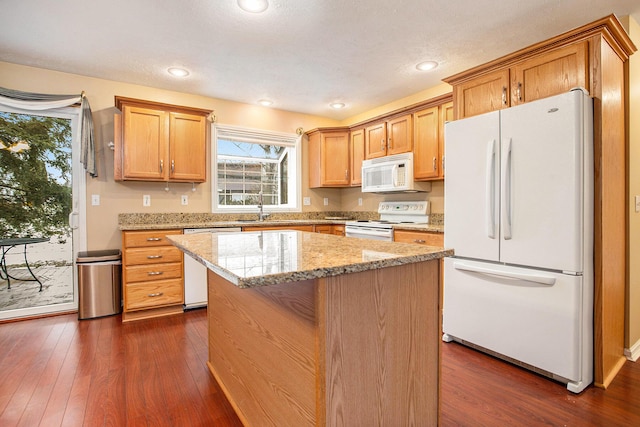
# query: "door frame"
{"type": "Point", "coordinates": [78, 213]}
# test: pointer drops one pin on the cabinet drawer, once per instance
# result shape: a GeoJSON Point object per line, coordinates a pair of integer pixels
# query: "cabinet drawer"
{"type": "Point", "coordinates": [144, 273]}
{"type": "Point", "coordinates": [135, 239]}
{"type": "Point", "coordinates": [429, 239]}
{"type": "Point", "coordinates": [141, 256]}
{"type": "Point", "coordinates": [153, 294]}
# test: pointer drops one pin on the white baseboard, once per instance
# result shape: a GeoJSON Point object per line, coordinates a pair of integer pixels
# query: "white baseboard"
{"type": "Point", "coordinates": [633, 353]}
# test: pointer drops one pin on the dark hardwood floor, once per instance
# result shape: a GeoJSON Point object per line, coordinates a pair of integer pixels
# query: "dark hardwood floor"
{"type": "Point", "coordinates": [58, 371]}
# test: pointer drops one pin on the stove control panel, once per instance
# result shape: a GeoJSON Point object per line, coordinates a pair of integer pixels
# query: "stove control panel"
{"type": "Point", "coordinates": [404, 208]}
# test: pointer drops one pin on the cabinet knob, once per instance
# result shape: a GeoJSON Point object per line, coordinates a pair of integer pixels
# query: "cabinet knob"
{"type": "Point", "coordinates": [154, 256]}
{"type": "Point", "coordinates": [161, 165]}
{"type": "Point", "coordinates": [173, 165]}
{"type": "Point", "coordinates": [155, 273]}
{"type": "Point", "coordinates": [390, 144]}
{"type": "Point", "coordinates": [154, 239]}
{"type": "Point", "coordinates": [346, 173]}
{"type": "Point", "coordinates": [419, 241]}
{"type": "Point", "coordinates": [435, 164]}
{"type": "Point", "coordinates": [382, 144]}
{"type": "Point", "coordinates": [157, 294]}
{"type": "Point", "coordinates": [519, 91]}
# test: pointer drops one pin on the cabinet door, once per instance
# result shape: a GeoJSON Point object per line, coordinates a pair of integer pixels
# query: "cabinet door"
{"type": "Point", "coordinates": [485, 93]}
{"type": "Point", "coordinates": [399, 135]}
{"type": "Point", "coordinates": [335, 159]}
{"type": "Point", "coordinates": [357, 156]}
{"type": "Point", "coordinates": [446, 115]}
{"type": "Point", "coordinates": [375, 140]}
{"type": "Point", "coordinates": [551, 73]}
{"type": "Point", "coordinates": [187, 149]}
{"type": "Point", "coordinates": [425, 147]}
{"type": "Point", "coordinates": [145, 141]}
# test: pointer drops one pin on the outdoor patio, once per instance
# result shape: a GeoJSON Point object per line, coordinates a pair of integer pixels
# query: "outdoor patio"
{"type": "Point", "coordinates": [57, 287]}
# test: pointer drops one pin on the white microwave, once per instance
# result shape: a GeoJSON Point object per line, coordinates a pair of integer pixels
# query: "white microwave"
{"type": "Point", "coordinates": [391, 174]}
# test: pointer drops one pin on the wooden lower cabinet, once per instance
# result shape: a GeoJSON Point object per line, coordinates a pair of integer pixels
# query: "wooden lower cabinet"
{"type": "Point", "coordinates": [336, 229]}
{"type": "Point", "coordinates": [152, 272]}
{"type": "Point", "coordinates": [420, 237]}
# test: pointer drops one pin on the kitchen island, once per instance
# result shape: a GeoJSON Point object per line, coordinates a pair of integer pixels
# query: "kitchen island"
{"type": "Point", "coordinates": [314, 329]}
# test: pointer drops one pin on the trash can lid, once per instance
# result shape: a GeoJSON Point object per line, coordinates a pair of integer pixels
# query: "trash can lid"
{"type": "Point", "coordinates": [99, 256]}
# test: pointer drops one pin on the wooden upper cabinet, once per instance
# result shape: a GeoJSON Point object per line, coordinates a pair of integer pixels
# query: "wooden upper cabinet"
{"type": "Point", "coordinates": [546, 74]}
{"type": "Point", "coordinates": [329, 160]}
{"type": "Point", "coordinates": [375, 140]}
{"type": "Point", "coordinates": [446, 115]}
{"type": "Point", "coordinates": [145, 143]}
{"type": "Point", "coordinates": [393, 136]}
{"type": "Point", "coordinates": [356, 140]}
{"type": "Point", "coordinates": [551, 73]}
{"type": "Point", "coordinates": [399, 135]}
{"type": "Point", "coordinates": [159, 142]}
{"type": "Point", "coordinates": [488, 92]}
{"type": "Point", "coordinates": [425, 147]}
{"type": "Point", "coordinates": [187, 147]}
{"type": "Point", "coordinates": [428, 141]}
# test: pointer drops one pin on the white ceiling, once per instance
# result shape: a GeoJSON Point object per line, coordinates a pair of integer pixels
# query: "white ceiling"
{"type": "Point", "coordinates": [302, 54]}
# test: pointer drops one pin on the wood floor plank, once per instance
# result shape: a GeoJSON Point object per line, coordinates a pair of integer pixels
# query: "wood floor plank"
{"type": "Point", "coordinates": [100, 372]}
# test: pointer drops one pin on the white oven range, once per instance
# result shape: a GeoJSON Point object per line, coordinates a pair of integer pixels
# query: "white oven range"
{"type": "Point", "coordinates": [409, 212]}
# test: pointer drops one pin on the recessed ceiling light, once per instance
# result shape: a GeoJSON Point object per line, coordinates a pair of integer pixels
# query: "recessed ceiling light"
{"type": "Point", "coordinates": [337, 105]}
{"type": "Point", "coordinates": [427, 65]}
{"type": "Point", "coordinates": [178, 72]}
{"type": "Point", "coordinates": [265, 102]}
{"type": "Point", "coordinates": [253, 6]}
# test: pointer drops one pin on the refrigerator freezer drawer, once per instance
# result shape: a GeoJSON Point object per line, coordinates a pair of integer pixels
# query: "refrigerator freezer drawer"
{"type": "Point", "coordinates": [538, 320]}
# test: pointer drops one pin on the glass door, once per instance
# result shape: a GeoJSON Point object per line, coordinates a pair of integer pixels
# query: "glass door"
{"type": "Point", "coordinates": [41, 181]}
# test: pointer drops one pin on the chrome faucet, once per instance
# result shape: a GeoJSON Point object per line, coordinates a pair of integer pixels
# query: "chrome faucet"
{"type": "Point", "coordinates": [261, 215]}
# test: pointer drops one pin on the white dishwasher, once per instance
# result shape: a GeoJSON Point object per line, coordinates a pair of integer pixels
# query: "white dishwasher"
{"type": "Point", "coordinates": [195, 274]}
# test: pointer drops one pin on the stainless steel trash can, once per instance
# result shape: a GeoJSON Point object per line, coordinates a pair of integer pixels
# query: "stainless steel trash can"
{"type": "Point", "coordinates": [99, 282]}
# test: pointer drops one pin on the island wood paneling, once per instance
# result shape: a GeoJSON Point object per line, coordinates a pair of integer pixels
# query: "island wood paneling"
{"type": "Point", "coordinates": [378, 345]}
{"type": "Point", "coordinates": [261, 350]}
{"type": "Point", "coordinates": [354, 349]}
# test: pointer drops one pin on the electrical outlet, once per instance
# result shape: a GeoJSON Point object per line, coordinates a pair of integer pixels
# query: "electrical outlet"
{"type": "Point", "coordinates": [637, 203]}
{"type": "Point", "coordinates": [95, 200]}
{"type": "Point", "coordinates": [326, 201]}
{"type": "Point", "coordinates": [184, 200]}
{"type": "Point", "coordinates": [146, 200]}
{"type": "Point", "coordinates": [359, 201]}
{"type": "Point", "coordinates": [306, 201]}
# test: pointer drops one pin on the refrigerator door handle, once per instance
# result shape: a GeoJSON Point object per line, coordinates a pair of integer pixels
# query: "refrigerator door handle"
{"type": "Point", "coordinates": [490, 190]}
{"type": "Point", "coordinates": [506, 192]}
{"type": "Point", "coordinates": [537, 278]}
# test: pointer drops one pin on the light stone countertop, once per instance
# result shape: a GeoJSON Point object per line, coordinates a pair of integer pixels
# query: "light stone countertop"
{"type": "Point", "coordinates": [260, 258]}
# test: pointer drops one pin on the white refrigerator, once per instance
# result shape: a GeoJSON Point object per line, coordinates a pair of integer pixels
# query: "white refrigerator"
{"type": "Point", "coordinates": [519, 216]}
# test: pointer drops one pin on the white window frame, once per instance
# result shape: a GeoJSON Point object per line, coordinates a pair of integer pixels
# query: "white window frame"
{"type": "Point", "coordinates": [259, 136]}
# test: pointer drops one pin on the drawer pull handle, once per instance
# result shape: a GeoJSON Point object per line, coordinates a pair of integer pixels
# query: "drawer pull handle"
{"type": "Point", "coordinates": [154, 256]}
{"type": "Point", "coordinates": [420, 241]}
{"type": "Point", "coordinates": [157, 294]}
{"type": "Point", "coordinates": [154, 239]}
{"type": "Point", "coordinates": [155, 273]}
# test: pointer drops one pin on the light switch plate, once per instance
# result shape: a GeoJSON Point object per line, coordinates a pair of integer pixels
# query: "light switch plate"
{"type": "Point", "coordinates": [146, 200]}
{"type": "Point", "coordinates": [326, 201]}
{"type": "Point", "coordinates": [637, 203]}
{"type": "Point", "coordinates": [95, 200]}
{"type": "Point", "coordinates": [184, 200]}
{"type": "Point", "coordinates": [306, 201]}
{"type": "Point", "coordinates": [359, 201]}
